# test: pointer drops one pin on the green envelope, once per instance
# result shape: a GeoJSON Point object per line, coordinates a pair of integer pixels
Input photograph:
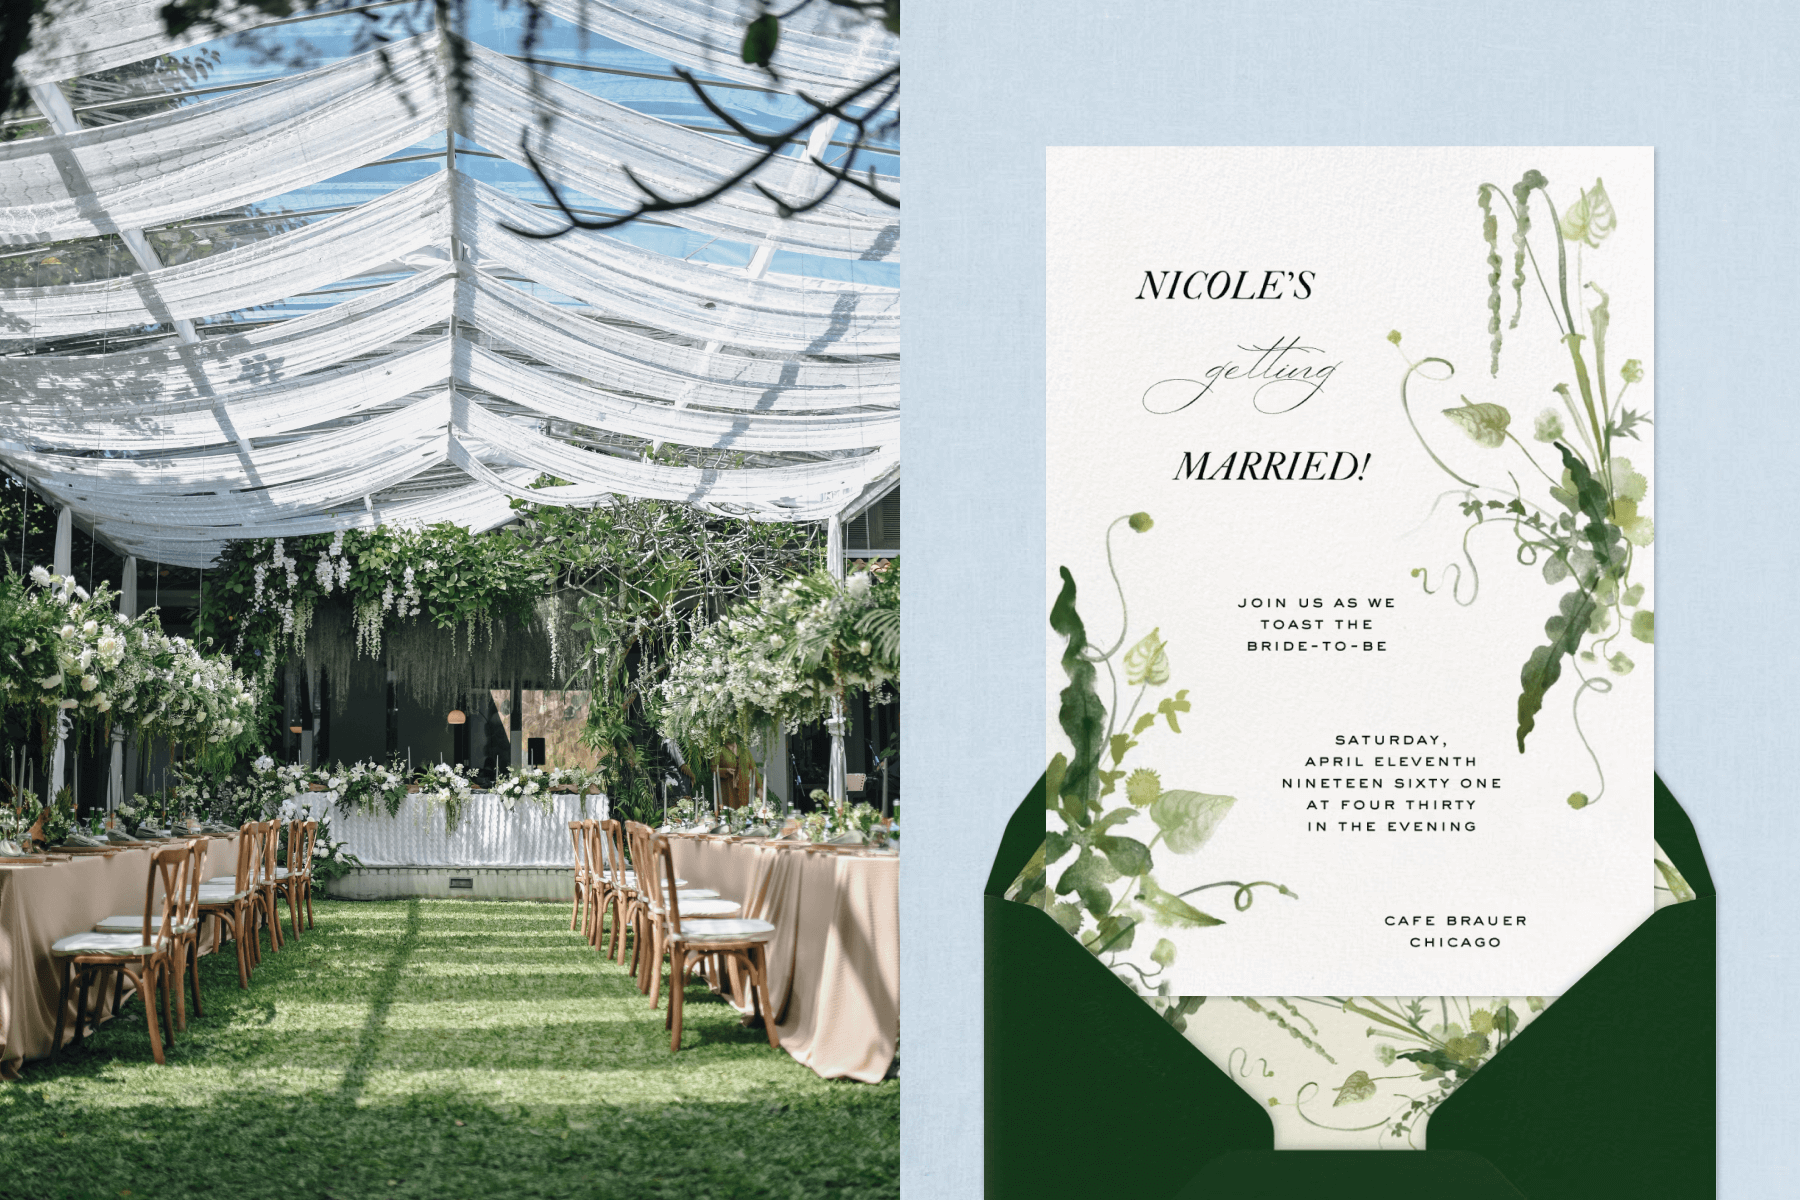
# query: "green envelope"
{"type": "Point", "coordinates": [1609, 1092]}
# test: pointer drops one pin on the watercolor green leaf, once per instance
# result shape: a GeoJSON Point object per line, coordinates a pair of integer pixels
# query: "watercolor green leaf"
{"type": "Point", "coordinates": [1148, 661]}
{"type": "Point", "coordinates": [1088, 878]}
{"type": "Point", "coordinates": [1355, 1090]}
{"type": "Point", "coordinates": [1678, 886]}
{"type": "Point", "coordinates": [1643, 625]}
{"type": "Point", "coordinates": [1082, 715]}
{"type": "Point", "coordinates": [1627, 423]}
{"type": "Point", "coordinates": [1628, 483]}
{"type": "Point", "coordinates": [1141, 522]}
{"type": "Point", "coordinates": [1128, 856]}
{"type": "Point", "coordinates": [1484, 423]}
{"type": "Point", "coordinates": [1067, 915]}
{"type": "Point", "coordinates": [1171, 910]}
{"type": "Point", "coordinates": [1548, 427]}
{"type": "Point", "coordinates": [1178, 703]}
{"type": "Point", "coordinates": [1187, 819]}
{"type": "Point", "coordinates": [1544, 667]}
{"type": "Point", "coordinates": [1164, 954]}
{"type": "Point", "coordinates": [1590, 219]}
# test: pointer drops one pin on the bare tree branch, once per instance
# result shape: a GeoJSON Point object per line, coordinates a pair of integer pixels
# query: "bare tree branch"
{"type": "Point", "coordinates": [771, 144]}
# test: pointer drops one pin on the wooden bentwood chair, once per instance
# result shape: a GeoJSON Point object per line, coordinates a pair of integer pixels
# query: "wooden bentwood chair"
{"type": "Point", "coordinates": [578, 834]}
{"type": "Point", "coordinates": [186, 951]}
{"type": "Point", "coordinates": [230, 901]}
{"type": "Point", "coordinates": [652, 912]}
{"type": "Point", "coordinates": [619, 886]}
{"type": "Point", "coordinates": [294, 881]}
{"type": "Point", "coordinates": [740, 940]}
{"type": "Point", "coordinates": [146, 957]}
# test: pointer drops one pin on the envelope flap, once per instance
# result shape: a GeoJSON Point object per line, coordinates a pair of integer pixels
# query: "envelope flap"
{"type": "Point", "coordinates": [1089, 1092]}
{"type": "Point", "coordinates": [1675, 834]}
{"type": "Point", "coordinates": [1612, 1090]}
{"type": "Point", "coordinates": [1024, 834]}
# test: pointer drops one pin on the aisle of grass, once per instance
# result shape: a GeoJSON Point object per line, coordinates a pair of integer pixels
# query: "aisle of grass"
{"type": "Point", "coordinates": [441, 1049]}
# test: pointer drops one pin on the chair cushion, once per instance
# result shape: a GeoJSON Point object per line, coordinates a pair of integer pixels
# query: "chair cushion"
{"type": "Point", "coordinates": [220, 893]}
{"type": "Point", "coordinates": [125, 945]}
{"type": "Point", "coordinates": [134, 923]}
{"type": "Point", "coordinates": [740, 929]}
{"type": "Point", "coordinates": [222, 879]}
{"type": "Point", "coordinates": [709, 908]}
{"type": "Point", "coordinates": [687, 894]}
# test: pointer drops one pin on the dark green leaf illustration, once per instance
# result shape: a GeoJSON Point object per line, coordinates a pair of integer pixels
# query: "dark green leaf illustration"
{"type": "Point", "coordinates": [1082, 715]}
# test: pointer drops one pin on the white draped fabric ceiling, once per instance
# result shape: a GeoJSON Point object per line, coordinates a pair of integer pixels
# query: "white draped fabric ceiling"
{"type": "Point", "coordinates": [443, 394]}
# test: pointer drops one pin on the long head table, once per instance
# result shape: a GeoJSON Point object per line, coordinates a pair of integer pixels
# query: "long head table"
{"type": "Point", "coordinates": [40, 903]}
{"type": "Point", "coordinates": [487, 834]}
{"type": "Point", "coordinates": [834, 964]}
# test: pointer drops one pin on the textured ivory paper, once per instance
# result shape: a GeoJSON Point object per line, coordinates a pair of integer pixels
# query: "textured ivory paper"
{"type": "Point", "coordinates": [1351, 675]}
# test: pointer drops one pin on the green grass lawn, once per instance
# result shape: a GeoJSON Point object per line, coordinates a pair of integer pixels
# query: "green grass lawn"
{"type": "Point", "coordinates": [442, 1049]}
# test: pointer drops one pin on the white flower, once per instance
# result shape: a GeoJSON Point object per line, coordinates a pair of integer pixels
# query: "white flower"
{"type": "Point", "coordinates": [52, 683]}
{"type": "Point", "coordinates": [90, 627]}
{"type": "Point", "coordinates": [89, 683]}
{"type": "Point", "coordinates": [858, 585]}
{"type": "Point", "coordinates": [68, 631]}
{"type": "Point", "coordinates": [264, 762]}
{"type": "Point", "coordinates": [40, 576]}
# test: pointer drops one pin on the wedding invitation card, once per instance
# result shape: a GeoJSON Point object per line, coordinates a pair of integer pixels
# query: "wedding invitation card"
{"type": "Point", "coordinates": [1351, 588]}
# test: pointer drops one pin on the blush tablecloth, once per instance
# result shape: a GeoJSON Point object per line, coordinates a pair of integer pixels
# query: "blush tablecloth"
{"type": "Point", "coordinates": [41, 903]}
{"type": "Point", "coordinates": [834, 964]}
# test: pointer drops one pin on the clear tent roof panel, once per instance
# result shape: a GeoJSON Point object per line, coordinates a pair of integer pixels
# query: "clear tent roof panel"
{"type": "Point", "coordinates": [532, 422]}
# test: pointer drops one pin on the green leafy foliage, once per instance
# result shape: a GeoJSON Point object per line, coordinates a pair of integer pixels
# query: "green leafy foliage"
{"type": "Point", "coordinates": [1109, 881]}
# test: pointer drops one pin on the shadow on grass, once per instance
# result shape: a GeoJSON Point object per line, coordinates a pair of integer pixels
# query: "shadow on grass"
{"type": "Point", "coordinates": [343, 1073]}
{"type": "Point", "coordinates": [369, 1044]}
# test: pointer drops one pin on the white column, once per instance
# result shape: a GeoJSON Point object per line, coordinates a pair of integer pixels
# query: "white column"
{"type": "Point", "coordinates": [62, 562]}
{"type": "Point", "coordinates": [59, 754]}
{"type": "Point", "coordinates": [309, 740]}
{"type": "Point", "coordinates": [128, 601]}
{"type": "Point", "coordinates": [515, 724]}
{"type": "Point", "coordinates": [115, 780]}
{"type": "Point", "coordinates": [834, 724]}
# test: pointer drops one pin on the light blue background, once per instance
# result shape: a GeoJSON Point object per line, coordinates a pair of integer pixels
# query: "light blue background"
{"type": "Point", "coordinates": [1711, 87]}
